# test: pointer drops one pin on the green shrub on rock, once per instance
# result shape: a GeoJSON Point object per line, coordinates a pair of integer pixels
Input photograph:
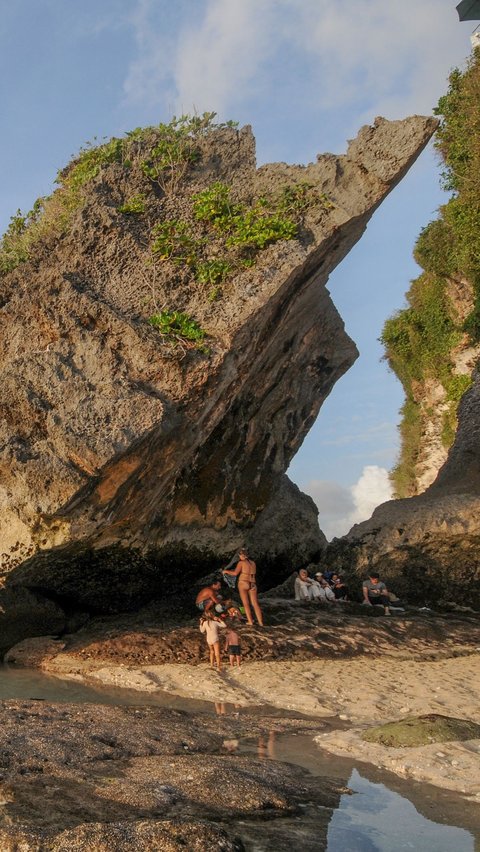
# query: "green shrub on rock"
{"type": "Point", "coordinates": [251, 227]}
{"type": "Point", "coordinates": [179, 327]}
{"type": "Point", "coordinates": [133, 206]}
{"type": "Point", "coordinates": [420, 339]}
{"type": "Point", "coordinates": [173, 240]}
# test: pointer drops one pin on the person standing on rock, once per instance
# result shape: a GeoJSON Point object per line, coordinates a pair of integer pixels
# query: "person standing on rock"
{"type": "Point", "coordinates": [232, 646]}
{"type": "Point", "coordinates": [210, 625]}
{"type": "Point", "coordinates": [246, 571]}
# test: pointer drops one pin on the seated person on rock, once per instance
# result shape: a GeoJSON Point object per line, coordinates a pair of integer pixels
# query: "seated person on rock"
{"type": "Point", "coordinates": [375, 592]}
{"type": "Point", "coordinates": [327, 594]}
{"type": "Point", "coordinates": [306, 589]}
{"type": "Point", "coordinates": [209, 597]}
{"type": "Point", "coordinates": [339, 588]}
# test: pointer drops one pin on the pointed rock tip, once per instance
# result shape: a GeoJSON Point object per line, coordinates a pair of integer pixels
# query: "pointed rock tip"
{"type": "Point", "coordinates": [388, 148]}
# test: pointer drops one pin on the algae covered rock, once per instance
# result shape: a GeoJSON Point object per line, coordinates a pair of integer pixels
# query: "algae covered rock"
{"type": "Point", "coordinates": [422, 730]}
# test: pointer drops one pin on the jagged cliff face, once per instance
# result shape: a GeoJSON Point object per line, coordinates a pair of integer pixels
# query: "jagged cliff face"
{"type": "Point", "coordinates": [430, 395]}
{"type": "Point", "coordinates": [427, 547]}
{"type": "Point", "coordinates": [114, 439]}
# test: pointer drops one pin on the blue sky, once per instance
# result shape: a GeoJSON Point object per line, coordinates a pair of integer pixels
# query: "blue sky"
{"type": "Point", "coordinates": [306, 74]}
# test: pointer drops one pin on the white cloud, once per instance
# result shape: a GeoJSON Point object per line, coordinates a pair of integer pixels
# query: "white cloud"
{"type": "Point", "coordinates": [391, 53]}
{"type": "Point", "coordinates": [219, 63]}
{"type": "Point", "coordinates": [368, 55]}
{"type": "Point", "coordinates": [149, 77]}
{"type": "Point", "coordinates": [372, 488]}
{"type": "Point", "coordinates": [206, 65]}
{"type": "Point", "coordinates": [341, 507]}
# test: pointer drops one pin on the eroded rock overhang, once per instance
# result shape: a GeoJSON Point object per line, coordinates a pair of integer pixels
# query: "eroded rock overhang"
{"type": "Point", "coordinates": [110, 438]}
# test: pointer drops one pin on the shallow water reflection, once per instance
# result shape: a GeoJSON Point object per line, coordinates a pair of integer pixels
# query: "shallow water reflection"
{"type": "Point", "coordinates": [21, 683]}
{"type": "Point", "coordinates": [30, 684]}
{"type": "Point", "coordinates": [375, 819]}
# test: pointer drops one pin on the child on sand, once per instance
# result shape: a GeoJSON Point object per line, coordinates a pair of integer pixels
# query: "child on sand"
{"type": "Point", "coordinates": [210, 624]}
{"type": "Point", "coordinates": [232, 646]}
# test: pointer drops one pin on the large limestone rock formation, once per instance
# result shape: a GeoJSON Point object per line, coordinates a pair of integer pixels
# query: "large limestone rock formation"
{"type": "Point", "coordinates": [124, 456]}
{"type": "Point", "coordinates": [428, 546]}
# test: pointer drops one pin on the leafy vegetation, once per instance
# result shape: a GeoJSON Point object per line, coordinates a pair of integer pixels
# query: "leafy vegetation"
{"type": "Point", "coordinates": [294, 200]}
{"type": "Point", "coordinates": [88, 164]}
{"type": "Point", "coordinates": [172, 148]}
{"type": "Point", "coordinates": [134, 205]}
{"type": "Point", "coordinates": [218, 236]}
{"type": "Point", "coordinates": [17, 240]}
{"type": "Point", "coordinates": [257, 228]}
{"type": "Point", "coordinates": [214, 273]}
{"type": "Point", "coordinates": [177, 148]}
{"type": "Point", "coordinates": [254, 227]}
{"type": "Point", "coordinates": [403, 474]}
{"type": "Point", "coordinates": [173, 240]}
{"type": "Point", "coordinates": [419, 340]}
{"type": "Point", "coordinates": [418, 343]}
{"type": "Point", "coordinates": [240, 232]}
{"type": "Point", "coordinates": [179, 328]}
{"type": "Point", "coordinates": [458, 143]}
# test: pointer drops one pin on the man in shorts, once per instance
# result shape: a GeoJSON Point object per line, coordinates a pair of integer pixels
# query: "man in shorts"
{"type": "Point", "coordinates": [209, 597]}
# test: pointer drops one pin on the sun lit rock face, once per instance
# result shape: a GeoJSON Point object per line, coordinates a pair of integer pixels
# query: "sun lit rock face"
{"type": "Point", "coordinates": [114, 437]}
{"type": "Point", "coordinates": [429, 394]}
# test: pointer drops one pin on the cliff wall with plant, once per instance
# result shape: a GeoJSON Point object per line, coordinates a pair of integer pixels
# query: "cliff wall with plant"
{"type": "Point", "coordinates": [434, 343]}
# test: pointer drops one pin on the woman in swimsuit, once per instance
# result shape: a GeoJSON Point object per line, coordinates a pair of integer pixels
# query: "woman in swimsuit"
{"type": "Point", "coordinates": [247, 587]}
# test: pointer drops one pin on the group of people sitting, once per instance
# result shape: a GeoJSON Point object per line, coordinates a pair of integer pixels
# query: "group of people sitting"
{"type": "Point", "coordinates": [328, 587]}
{"type": "Point", "coordinates": [323, 587]}
{"type": "Point", "coordinates": [221, 614]}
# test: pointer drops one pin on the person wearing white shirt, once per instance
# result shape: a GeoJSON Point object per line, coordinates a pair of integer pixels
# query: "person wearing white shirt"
{"type": "Point", "coordinates": [210, 625]}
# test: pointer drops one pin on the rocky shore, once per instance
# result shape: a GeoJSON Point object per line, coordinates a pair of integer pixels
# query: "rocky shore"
{"type": "Point", "coordinates": [344, 663]}
{"type": "Point", "coordinates": [92, 777]}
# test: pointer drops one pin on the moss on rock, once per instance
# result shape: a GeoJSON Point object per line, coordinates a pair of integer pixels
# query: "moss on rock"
{"type": "Point", "coordinates": [422, 730]}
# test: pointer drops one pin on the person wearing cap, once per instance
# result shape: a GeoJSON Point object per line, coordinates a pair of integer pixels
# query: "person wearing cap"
{"type": "Point", "coordinates": [322, 589]}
